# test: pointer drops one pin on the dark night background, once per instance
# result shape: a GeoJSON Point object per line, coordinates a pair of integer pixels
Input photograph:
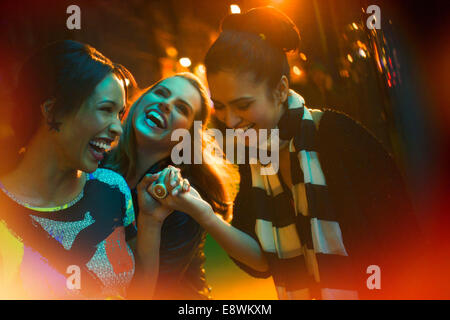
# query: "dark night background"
{"type": "Point", "coordinates": [404, 99]}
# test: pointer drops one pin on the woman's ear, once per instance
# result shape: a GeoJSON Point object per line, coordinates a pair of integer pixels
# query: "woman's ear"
{"type": "Point", "coordinates": [48, 114]}
{"type": "Point", "coordinates": [47, 108]}
{"type": "Point", "coordinates": [282, 90]}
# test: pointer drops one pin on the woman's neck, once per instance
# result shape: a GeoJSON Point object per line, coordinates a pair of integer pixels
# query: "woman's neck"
{"type": "Point", "coordinates": [146, 160]}
{"type": "Point", "coordinates": [41, 180]}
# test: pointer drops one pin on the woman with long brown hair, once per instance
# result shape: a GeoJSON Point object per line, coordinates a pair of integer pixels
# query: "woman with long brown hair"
{"type": "Point", "coordinates": [144, 152]}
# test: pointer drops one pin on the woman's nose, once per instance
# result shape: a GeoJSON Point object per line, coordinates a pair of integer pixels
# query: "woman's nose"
{"type": "Point", "coordinates": [165, 107]}
{"type": "Point", "coordinates": [116, 128]}
{"type": "Point", "coordinates": [231, 119]}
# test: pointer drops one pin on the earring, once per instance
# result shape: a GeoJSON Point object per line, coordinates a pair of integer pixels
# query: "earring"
{"type": "Point", "coordinates": [53, 124]}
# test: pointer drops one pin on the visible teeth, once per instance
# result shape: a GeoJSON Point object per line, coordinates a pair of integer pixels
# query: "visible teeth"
{"type": "Point", "coordinates": [151, 123]}
{"type": "Point", "coordinates": [158, 117]}
{"type": "Point", "coordinates": [100, 145]}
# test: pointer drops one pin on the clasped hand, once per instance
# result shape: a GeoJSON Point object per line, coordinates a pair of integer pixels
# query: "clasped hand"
{"type": "Point", "coordinates": [180, 196]}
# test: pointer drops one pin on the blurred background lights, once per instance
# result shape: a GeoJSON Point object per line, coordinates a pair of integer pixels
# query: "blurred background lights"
{"type": "Point", "coordinates": [349, 58]}
{"type": "Point", "coordinates": [303, 56]}
{"type": "Point", "coordinates": [200, 68]}
{"type": "Point", "coordinates": [185, 62]}
{"type": "Point", "coordinates": [296, 70]}
{"type": "Point", "coordinates": [362, 53]}
{"type": "Point", "coordinates": [171, 52]}
{"type": "Point", "coordinates": [234, 8]}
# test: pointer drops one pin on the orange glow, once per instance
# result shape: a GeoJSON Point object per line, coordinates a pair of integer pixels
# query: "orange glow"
{"type": "Point", "coordinates": [234, 8]}
{"type": "Point", "coordinates": [303, 56]}
{"type": "Point", "coordinates": [185, 62]}
{"type": "Point", "coordinates": [297, 71]}
{"type": "Point", "coordinates": [362, 53]}
{"type": "Point", "coordinates": [349, 58]}
{"type": "Point", "coordinates": [200, 68]}
{"type": "Point", "coordinates": [344, 74]}
{"type": "Point", "coordinates": [171, 52]}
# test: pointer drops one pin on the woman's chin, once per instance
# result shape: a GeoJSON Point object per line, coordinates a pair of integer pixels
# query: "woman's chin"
{"type": "Point", "coordinates": [89, 164]}
{"type": "Point", "coordinates": [89, 168]}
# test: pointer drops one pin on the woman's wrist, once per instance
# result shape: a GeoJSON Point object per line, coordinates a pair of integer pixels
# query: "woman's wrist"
{"type": "Point", "coordinates": [204, 213]}
{"type": "Point", "coordinates": [149, 221]}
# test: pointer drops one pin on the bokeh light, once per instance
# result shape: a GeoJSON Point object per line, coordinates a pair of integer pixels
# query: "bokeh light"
{"type": "Point", "coordinates": [185, 62]}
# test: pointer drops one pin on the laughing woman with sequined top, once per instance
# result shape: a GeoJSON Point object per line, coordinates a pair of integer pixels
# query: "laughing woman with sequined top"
{"type": "Point", "coordinates": [65, 223]}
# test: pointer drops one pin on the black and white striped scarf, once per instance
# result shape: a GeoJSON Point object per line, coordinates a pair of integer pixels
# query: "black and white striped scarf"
{"type": "Point", "coordinates": [296, 239]}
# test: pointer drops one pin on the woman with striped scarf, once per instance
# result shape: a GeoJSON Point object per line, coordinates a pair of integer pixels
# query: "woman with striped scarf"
{"type": "Point", "coordinates": [333, 208]}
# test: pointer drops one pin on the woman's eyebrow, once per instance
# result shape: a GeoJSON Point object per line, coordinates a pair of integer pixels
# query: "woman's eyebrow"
{"type": "Point", "coordinates": [236, 101]}
{"type": "Point", "coordinates": [115, 104]}
{"type": "Point", "coordinates": [215, 101]}
{"type": "Point", "coordinates": [108, 101]}
{"type": "Point", "coordinates": [160, 86]}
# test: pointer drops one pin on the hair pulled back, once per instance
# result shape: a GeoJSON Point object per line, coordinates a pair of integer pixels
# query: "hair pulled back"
{"type": "Point", "coordinates": [254, 42]}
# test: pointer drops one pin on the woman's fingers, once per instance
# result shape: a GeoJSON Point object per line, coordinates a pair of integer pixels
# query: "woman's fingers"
{"type": "Point", "coordinates": [147, 181]}
{"type": "Point", "coordinates": [163, 175]}
{"type": "Point", "coordinates": [177, 190]}
{"type": "Point", "coordinates": [186, 185]}
{"type": "Point", "coordinates": [175, 179]}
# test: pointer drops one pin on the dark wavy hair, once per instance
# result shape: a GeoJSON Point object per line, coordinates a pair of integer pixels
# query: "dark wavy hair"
{"type": "Point", "coordinates": [255, 42]}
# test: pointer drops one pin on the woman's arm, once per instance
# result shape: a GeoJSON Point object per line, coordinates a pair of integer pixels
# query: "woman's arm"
{"type": "Point", "coordinates": [146, 249]}
{"type": "Point", "coordinates": [147, 243]}
{"type": "Point", "coordinates": [235, 242]}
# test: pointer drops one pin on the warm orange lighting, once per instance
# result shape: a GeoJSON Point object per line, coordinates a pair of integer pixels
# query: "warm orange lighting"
{"type": "Point", "coordinates": [303, 56]}
{"type": "Point", "coordinates": [361, 45]}
{"type": "Point", "coordinates": [362, 53]}
{"type": "Point", "coordinates": [234, 8]}
{"type": "Point", "coordinates": [171, 52]}
{"type": "Point", "coordinates": [297, 71]}
{"type": "Point", "coordinates": [344, 74]}
{"type": "Point", "coordinates": [200, 68]}
{"type": "Point", "coordinates": [349, 58]}
{"type": "Point", "coordinates": [355, 26]}
{"type": "Point", "coordinates": [185, 62]}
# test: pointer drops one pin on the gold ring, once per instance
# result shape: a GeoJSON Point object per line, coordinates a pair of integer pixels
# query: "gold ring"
{"type": "Point", "coordinates": [159, 190]}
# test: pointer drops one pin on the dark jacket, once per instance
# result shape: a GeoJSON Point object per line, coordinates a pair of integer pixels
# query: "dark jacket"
{"type": "Point", "coordinates": [370, 198]}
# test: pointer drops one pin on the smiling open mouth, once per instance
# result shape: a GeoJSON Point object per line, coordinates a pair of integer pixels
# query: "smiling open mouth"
{"type": "Point", "coordinates": [98, 147]}
{"type": "Point", "coordinates": [155, 120]}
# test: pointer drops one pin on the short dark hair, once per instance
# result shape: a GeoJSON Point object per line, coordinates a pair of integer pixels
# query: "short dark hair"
{"type": "Point", "coordinates": [66, 71]}
{"type": "Point", "coordinates": [255, 42]}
